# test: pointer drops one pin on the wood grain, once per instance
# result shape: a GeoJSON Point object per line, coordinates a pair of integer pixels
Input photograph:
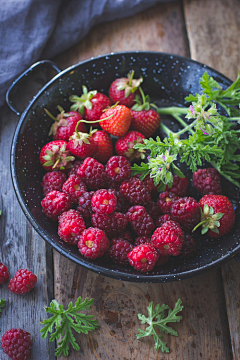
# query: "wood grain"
{"type": "Point", "coordinates": [218, 27]}
{"type": "Point", "coordinates": [204, 330]}
{"type": "Point", "coordinates": [22, 247]}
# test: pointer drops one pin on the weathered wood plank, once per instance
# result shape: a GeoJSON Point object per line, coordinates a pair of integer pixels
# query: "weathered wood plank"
{"type": "Point", "coordinates": [203, 331]}
{"type": "Point", "coordinates": [22, 247]}
{"type": "Point", "coordinates": [213, 32]}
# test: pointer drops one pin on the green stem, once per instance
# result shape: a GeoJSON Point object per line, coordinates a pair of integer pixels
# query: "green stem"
{"type": "Point", "coordinates": [171, 110]}
{"type": "Point", "coordinates": [165, 129]}
{"type": "Point", "coordinates": [186, 127]}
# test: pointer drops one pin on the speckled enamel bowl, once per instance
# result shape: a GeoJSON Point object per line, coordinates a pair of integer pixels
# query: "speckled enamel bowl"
{"type": "Point", "coordinates": [167, 79]}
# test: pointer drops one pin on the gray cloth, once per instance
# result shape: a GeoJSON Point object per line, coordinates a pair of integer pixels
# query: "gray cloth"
{"type": "Point", "coordinates": [31, 30]}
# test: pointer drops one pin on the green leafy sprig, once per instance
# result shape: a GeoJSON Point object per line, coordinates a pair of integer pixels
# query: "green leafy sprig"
{"type": "Point", "coordinates": [157, 322]}
{"type": "Point", "coordinates": [211, 137]}
{"type": "Point", "coordinates": [66, 320]}
{"type": "Point", "coordinates": [2, 305]}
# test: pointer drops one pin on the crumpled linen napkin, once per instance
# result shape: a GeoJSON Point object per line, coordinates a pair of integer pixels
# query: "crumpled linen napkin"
{"type": "Point", "coordinates": [31, 30]}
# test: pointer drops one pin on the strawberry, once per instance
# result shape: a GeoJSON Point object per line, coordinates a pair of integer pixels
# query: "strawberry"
{"type": "Point", "coordinates": [82, 144]}
{"type": "Point", "coordinates": [104, 146]}
{"type": "Point", "coordinates": [124, 90]}
{"type": "Point", "coordinates": [119, 121]}
{"type": "Point", "coordinates": [91, 104]}
{"type": "Point", "coordinates": [64, 124]}
{"type": "Point", "coordinates": [124, 145]}
{"type": "Point", "coordinates": [55, 155]}
{"type": "Point", "coordinates": [144, 119]}
{"type": "Point", "coordinates": [217, 215]}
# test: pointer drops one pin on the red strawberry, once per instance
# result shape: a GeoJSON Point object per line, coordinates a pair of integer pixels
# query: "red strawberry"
{"type": "Point", "coordinates": [65, 123]}
{"type": "Point", "coordinates": [104, 146]}
{"type": "Point", "coordinates": [91, 104]}
{"type": "Point", "coordinates": [124, 145]}
{"type": "Point", "coordinates": [144, 119]}
{"type": "Point", "coordinates": [55, 155]}
{"type": "Point", "coordinates": [124, 90]}
{"type": "Point", "coordinates": [82, 145]}
{"type": "Point", "coordinates": [119, 122]}
{"type": "Point", "coordinates": [218, 215]}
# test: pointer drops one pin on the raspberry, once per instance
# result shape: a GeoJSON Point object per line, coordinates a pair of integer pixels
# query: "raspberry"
{"type": "Point", "coordinates": [165, 201]}
{"type": "Point", "coordinates": [153, 210]}
{"type": "Point", "coordinates": [168, 238]}
{"type": "Point", "coordinates": [22, 282]}
{"type": "Point", "coordinates": [104, 201]}
{"type": "Point", "coordinates": [74, 187]}
{"type": "Point", "coordinates": [122, 203]}
{"type": "Point", "coordinates": [207, 181]}
{"type": "Point", "coordinates": [70, 226]}
{"type": "Point", "coordinates": [118, 251]}
{"type": "Point", "coordinates": [93, 174]}
{"type": "Point", "coordinates": [112, 224]}
{"type": "Point", "coordinates": [55, 203]}
{"type": "Point", "coordinates": [17, 344]}
{"type": "Point", "coordinates": [189, 247]}
{"type": "Point", "coordinates": [149, 183]}
{"type": "Point", "coordinates": [186, 211]}
{"type": "Point", "coordinates": [142, 240]}
{"type": "Point", "coordinates": [73, 167]}
{"type": "Point", "coordinates": [53, 180]}
{"type": "Point", "coordinates": [135, 191]}
{"type": "Point", "coordinates": [140, 221]}
{"type": "Point", "coordinates": [162, 219]}
{"type": "Point", "coordinates": [118, 168]}
{"type": "Point", "coordinates": [93, 243]}
{"type": "Point", "coordinates": [143, 257]}
{"type": "Point", "coordinates": [179, 186]}
{"type": "Point", "coordinates": [84, 205]}
{"type": "Point", "coordinates": [4, 275]}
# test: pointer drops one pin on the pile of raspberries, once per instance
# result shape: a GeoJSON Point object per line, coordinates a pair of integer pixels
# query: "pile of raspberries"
{"type": "Point", "coordinates": [105, 211]}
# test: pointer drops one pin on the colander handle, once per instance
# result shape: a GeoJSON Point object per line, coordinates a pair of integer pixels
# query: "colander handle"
{"type": "Point", "coordinates": [23, 75]}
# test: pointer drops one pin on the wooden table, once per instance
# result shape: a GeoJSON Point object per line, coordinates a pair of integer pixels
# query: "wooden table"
{"type": "Point", "coordinates": [207, 31]}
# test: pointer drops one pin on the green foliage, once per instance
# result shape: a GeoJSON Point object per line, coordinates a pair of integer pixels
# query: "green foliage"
{"type": "Point", "coordinates": [213, 138]}
{"type": "Point", "coordinates": [157, 322]}
{"type": "Point", "coordinates": [2, 305]}
{"type": "Point", "coordinates": [66, 320]}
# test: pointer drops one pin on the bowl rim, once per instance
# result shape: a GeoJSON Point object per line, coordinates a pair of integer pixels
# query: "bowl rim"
{"type": "Point", "coordinates": [116, 274]}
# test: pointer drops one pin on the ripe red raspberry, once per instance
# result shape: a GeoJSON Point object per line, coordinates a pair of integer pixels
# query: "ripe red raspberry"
{"type": "Point", "coordinates": [53, 180]}
{"type": "Point", "coordinates": [143, 257]}
{"type": "Point", "coordinates": [4, 275]}
{"type": "Point", "coordinates": [142, 240]}
{"type": "Point", "coordinates": [135, 191]}
{"type": "Point", "coordinates": [93, 243]}
{"type": "Point", "coordinates": [186, 211]}
{"type": "Point", "coordinates": [140, 221]}
{"type": "Point", "coordinates": [73, 167]}
{"type": "Point", "coordinates": [165, 201]}
{"type": "Point", "coordinates": [17, 344]}
{"type": "Point", "coordinates": [104, 201]}
{"type": "Point", "coordinates": [162, 219]}
{"type": "Point", "coordinates": [189, 247]}
{"type": "Point", "coordinates": [74, 187]}
{"type": "Point", "coordinates": [168, 238]}
{"type": "Point", "coordinates": [55, 203]}
{"type": "Point", "coordinates": [207, 181]}
{"type": "Point", "coordinates": [70, 226]}
{"type": "Point", "coordinates": [113, 224]}
{"type": "Point", "coordinates": [118, 168]}
{"type": "Point", "coordinates": [22, 282]}
{"type": "Point", "coordinates": [118, 251]}
{"type": "Point", "coordinates": [153, 210]}
{"type": "Point", "coordinates": [84, 205]}
{"type": "Point", "coordinates": [93, 174]}
{"type": "Point", "coordinates": [179, 186]}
